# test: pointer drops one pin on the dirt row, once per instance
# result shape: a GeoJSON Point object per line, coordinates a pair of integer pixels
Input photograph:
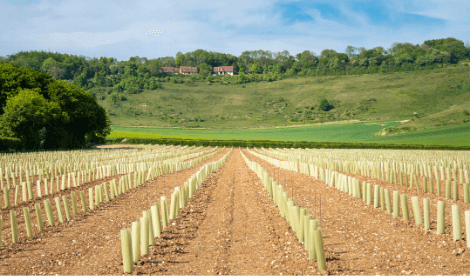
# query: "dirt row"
{"type": "Point", "coordinates": [89, 243]}
{"type": "Point", "coordinates": [230, 226]}
{"type": "Point", "coordinates": [367, 240]}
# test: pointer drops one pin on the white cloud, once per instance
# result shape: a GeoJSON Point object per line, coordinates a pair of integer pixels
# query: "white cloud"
{"type": "Point", "coordinates": [117, 28]}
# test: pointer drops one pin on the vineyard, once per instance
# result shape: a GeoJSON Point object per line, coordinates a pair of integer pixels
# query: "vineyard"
{"type": "Point", "coordinates": [158, 209]}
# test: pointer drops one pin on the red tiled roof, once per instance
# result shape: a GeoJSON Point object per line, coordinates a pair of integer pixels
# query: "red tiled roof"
{"type": "Point", "coordinates": [182, 69]}
{"type": "Point", "coordinates": [223, 69]}
{"type": "Point", "coordinates": [168, 69]}
{"type": "Point", "coordinates": [188, 69]}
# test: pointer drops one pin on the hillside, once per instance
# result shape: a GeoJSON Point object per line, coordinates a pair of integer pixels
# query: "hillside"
{"type": "Point", "coordinates": [423, 85]}
{"type": "Point", "coordinates": [427, 98]}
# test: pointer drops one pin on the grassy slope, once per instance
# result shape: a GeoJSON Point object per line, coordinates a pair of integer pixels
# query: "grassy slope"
{"type": "Point", "coordinates": [367, 98]}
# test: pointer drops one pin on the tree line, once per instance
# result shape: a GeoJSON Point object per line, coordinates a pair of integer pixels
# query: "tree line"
{"type": "Point", "coordinates": [140, 73]}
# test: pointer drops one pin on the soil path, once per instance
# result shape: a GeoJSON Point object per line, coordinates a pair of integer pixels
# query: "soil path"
{"type": "Point", "coordinates": [230, 226]}
{"type": "Point", "coordinates": [367, 240]}
{"type": "Point", "coordinates": [89, 243]}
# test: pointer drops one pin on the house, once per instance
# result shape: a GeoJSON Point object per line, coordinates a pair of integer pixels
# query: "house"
{"type": "Point", "coordinates": [169, 70]}
{"type": "Point", "coordinates": [187, 70]}
{"type": "Point", "coordinates": [223, 70]}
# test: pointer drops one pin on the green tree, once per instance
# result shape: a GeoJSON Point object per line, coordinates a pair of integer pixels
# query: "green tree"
{"type": "Point", "coordinates": [86, 117]}
{"type": "Point", "coordinates": [179, 59]}
{"type": "Point", "coordinates": [323, 104]}
{"type": "Point", "coordinates": [14, 78]}
{"type": "Point", "coordinates": [81, 81]}
{"type": "Point", "coordinates": [52, 67]}
{"type": "Point", "coordinates": [256, 68]}
{"type": "Point", "coordinates": [205, 70]}
{"type": "Point", "coordinates": [351, 51]}
{"type": "Point", "coordinates": [130, 69]}
{"type": "Point", "coordinates": [100, 79]}
{"type": "Point", "coordinates": [26, 114]}
{"type": "Point", "coordinates": [403, 59]}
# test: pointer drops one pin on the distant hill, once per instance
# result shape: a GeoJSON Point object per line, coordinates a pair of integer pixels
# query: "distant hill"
{"type": "Point", "coordinates": [426, 84]}
{"type": "Point", "coordinates": [424, 99]}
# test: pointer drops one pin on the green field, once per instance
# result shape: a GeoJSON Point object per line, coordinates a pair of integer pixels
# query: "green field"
{"type": "Point", "coordinates": [458, 136]}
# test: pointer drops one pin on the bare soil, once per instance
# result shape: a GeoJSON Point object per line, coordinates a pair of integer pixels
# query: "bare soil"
{"type": "Point", "coordinates": [232, 226]}
{"type": "Point", "coordinates": [89, 243]}
{"type": "Point", "coordinates": [367, 240]}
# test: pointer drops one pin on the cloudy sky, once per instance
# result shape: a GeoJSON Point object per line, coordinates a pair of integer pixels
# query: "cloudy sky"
{"type": "Point", "coordinates": [158, 28]}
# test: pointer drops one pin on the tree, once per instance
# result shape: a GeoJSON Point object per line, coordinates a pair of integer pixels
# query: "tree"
{"type": "Point", "coordinates": [398, 47]}
{"type": "Point", "coordinates": [82, 117]}
{"type": "Point", "coordinates": [130, 69]}
{"type": "Point", "coordinates": [142, 70]}
{"type": "Point", "coordinates": [403, 59]}
{"type": "Point", "coordinates": [81, 81]}
{"type": "Point", "coordinates": [205, 70]}
{"type": "Point", "coordinates": [52, 67]}
{"type": "Point", "coordinates": [327, 53]}
{"type": "Point", "coordinates": [279, 68]}
{"type": "Point", "coordinates": [256, 68]}
{"type": "Point", "coordinates": [457, 51]}
{"type": "Point", "coordinates": [179, 59]}
{"type": "Point", "coordinates": [351, 51]}
{"type": "Point", "coordinates": [86, 117]}
{"type": "Point", "coordinates": [307, 56]}
{"type": "Point", "coordinates": [26, 114]}
{"type": "Point", "coordinates": [99, 79]}
{"type": "Point", "coordinates": [154, 66]}
{"type": "Point", "coordinates": [324, 105]}
{"type": "Point", "coordinates": [14, 78]}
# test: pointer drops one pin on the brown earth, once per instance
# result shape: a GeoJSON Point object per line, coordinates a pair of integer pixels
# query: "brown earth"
{"type": "Point", "coordinates": [367, 240]}
{"type": "Point", "coordinates": [6, 226]}
{"type": "Point", "coordinates": [89, 243]}
{"type": "Point", "coordinates": [231, 226]}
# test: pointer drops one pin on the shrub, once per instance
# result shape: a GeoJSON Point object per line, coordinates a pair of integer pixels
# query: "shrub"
{"type": "Point", "coordinates": [324, 105]}
{"type": "Point", "coordinates": [10, 143]}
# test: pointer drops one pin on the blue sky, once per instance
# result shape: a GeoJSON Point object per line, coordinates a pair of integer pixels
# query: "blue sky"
{"type": "Point", "coordinates": [158, 28]}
